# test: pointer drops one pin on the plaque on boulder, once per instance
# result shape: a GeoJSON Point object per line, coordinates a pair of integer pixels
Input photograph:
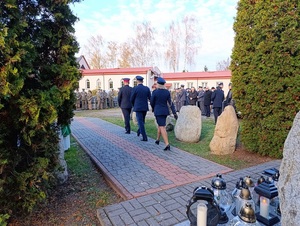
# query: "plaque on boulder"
{"type": "Point", "coordinates": [188, 125]}
{"type": "Point", "coordinates": [226, 130]}
{"type": "Point", "coordinates": [289, 180]}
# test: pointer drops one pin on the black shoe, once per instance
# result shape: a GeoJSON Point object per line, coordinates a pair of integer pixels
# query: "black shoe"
{"type": "Point", "coordinates": [167, 148]}
{"type": "Point", "coordinates": [144, 139]}
{"type": "Point", "coordinates": [138, 133]}
{"type": "Point", "coordinates": [157, 142]}
{"type": "Point", "coordinates": [127, 132]}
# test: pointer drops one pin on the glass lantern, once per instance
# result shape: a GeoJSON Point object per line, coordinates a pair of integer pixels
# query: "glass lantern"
{"type": "Point", "coordinates": [236, 194]}
{"type": "Point", "coordinates": [202, 208]}
{"type": "Point", "coordinates": [266, 191]}
{"type": "Point", "coordinates": [250, 184]}
{"type": "Point", "coordinates": [246, 217]}
{"type": "Point", "coordinates": [255, 196]}
{"type": "Point", "coordinates": [244, 197]}
{"type": "Point", "coordinates": [222, 197]}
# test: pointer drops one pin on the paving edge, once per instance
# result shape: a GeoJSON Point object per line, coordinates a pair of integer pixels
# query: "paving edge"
{"type": "Point", "coordinates": [113, 183]}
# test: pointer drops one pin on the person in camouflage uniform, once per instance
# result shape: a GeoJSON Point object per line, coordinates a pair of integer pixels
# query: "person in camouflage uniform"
{"type": "Point", "coordinates": [89, 99]}
{"type": "Point", "coordinates": [104, 99]}
{"type": "Point", "coordinates": [78, 99]}
{"type": "Point", "coordinates": [84, 100]}
{"type": "Point", "coordinates": [98, 96]}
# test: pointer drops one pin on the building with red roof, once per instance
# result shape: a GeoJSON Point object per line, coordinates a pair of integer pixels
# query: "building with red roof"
{"type": "Point", "coordinates": [112, 78]}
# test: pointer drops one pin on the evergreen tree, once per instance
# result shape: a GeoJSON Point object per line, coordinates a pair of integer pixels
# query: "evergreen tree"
{"type": "Point", "coordinates": [38, 76]}
{"type": "Point", "coordinates": [266, 72]}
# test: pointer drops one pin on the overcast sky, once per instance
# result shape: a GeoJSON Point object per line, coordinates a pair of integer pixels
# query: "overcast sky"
{"type": "Point", "coordinates": [114, 19]}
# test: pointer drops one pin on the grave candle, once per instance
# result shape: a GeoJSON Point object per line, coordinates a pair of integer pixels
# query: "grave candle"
{"type": "Point", "coordinates": [264, 207]}
{"type": "Point", "coordinates": [201, 214]}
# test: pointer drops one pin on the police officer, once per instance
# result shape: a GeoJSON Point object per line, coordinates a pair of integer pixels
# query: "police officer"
{"type": "Point", "coordinates": [217, 98]}
{"type": "Point", "coordinates": [125, 104]}
{"type": "Point", "coordinates": [139, 99]}
{"type": "Point", "coordinates": [160, 102]}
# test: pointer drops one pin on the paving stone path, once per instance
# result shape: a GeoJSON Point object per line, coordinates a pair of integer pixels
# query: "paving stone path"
{"type": "Point", "coordinates": [156, 184]}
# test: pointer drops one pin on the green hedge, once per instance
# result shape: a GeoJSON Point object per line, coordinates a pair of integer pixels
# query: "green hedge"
{"type": "Point", "coordinates": [38, 76]}
{"type": "Point", "coordinates": [266, 72]}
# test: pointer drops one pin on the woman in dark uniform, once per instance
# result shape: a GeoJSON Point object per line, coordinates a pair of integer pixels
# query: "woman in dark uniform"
{"type": "Point", "coordinates": [161, 102]}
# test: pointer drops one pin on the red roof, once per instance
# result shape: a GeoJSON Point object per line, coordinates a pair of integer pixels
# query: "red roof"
{"type": "Point", "coordinates": [195, 75]}
{"type": "Point", "coordinates": [117, 71]}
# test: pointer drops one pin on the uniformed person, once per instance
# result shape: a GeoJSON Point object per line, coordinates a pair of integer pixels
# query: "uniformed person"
{"type": "Point", "coordinates": [78, 100]}
{"type": "Point", "coordinates": [98, 96]}
{"type": "Point", "coordinates": [160, 102]}
{"type": "Point", "coordinates": [89, 99]}
{"type": "Point", "coordinates": [83, 100]}
{"type": "Point", "coordinates": [139, 99]}
{"type": "Point", "coordinates": [125, 104]}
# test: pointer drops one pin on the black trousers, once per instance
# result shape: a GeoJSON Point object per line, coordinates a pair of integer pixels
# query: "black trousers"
{"type": "Point", "coordinates": [140, 116]}
{"type": "Point", "coordinates": [217, 113]}
{"type": "Point", "coordinates": [207, 110]}
{"type": "Point", "coordinates": [126, 113]}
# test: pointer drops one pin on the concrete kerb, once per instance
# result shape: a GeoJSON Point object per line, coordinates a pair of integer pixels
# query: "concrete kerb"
{"type": "Point", "coordinates": [113, 183]}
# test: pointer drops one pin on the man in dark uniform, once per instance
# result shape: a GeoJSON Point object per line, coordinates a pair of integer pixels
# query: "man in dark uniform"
{"type": "Point", "coordinates": [207, 101]}
{"type": "Point", "coordinates": [217, 97]}
{"type": "Point", "coordinates": [139, 98]}
{"type": "Point", "coordinates": [125, 104]}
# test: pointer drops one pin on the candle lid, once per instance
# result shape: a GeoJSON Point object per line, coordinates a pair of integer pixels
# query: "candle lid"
{"type": "Point", "coordinates": [260, 180]}
{"type": "Point", "coordinates": [245, 194]}
{"type": "Point", "coordinates": [218, 182]}
{"type": "Point", "coordinates": [248, 181]}
{"type": "Point", "coordinates": [247, 213]}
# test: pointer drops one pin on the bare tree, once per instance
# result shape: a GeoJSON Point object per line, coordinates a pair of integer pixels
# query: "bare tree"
{"type": "Point", "coordinates": [223, 65]}
{"type": "Point", "coordinates": [112, 54]}
{"type": "Point", "coordinates": [172, 51]}
{"type": "Point", "coordinates": [125, 59]}
{"type": "Point", "coordinates": [191, 40]}
{"type": "Point", "coordinates": [95, 53]}
{"type": "Point", "coordinates": [143, 43]}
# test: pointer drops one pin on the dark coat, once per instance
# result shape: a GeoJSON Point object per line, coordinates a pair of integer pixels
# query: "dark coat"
{"type": "Point", "coordinates": [217, 97]}
{"type": "Point", "coordinates": [193, 98]}
{"type": "Point", "coordinates": [139, 98]}
{"type": "Point", "coordinates": [159, 102]}
{"type": "Point", "coordinates": [207, 97]}
{"type": "Point", "coordinates": [182, 95]}
{"type": "Point", "coordinates": [124, 97]}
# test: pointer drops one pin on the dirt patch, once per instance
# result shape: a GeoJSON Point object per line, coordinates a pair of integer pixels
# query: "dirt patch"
{"type": "Point", "coordinates": [73, 203]}
{"type": "Point", "coordinates": [251, 159]}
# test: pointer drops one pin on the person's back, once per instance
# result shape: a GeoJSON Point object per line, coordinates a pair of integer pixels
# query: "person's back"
{"type": "Point", "coordinates": [217, 98]}
{"type": "Point", "coordinates": [139, 98]}
{"type": "Point", "coordinates": [124, 97]}
{"type": "Point", "coordinates": [207, 97]}
{"type": "Point", "coordinates": [160, 99]}
{"type": "Point", "coordinates": [125, 104]}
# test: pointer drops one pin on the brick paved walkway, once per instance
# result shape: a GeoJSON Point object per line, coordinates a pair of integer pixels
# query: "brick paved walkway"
{"type": "Point", "coordinates": [156, 184]}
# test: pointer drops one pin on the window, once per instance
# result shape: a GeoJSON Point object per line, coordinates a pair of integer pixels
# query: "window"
{"type": "Point", "coordinates": [189, 85]}
{"type": "Point", "coordinates": [110, 84]}
{"type": "Point", "coordinates": [204, 84]}
{"type": "Point", "coordinates": [87, 84]}
{"type": "Point", "coordinates": [176, 85]}
{"type": "Point", "coordinates": [98, 83]}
